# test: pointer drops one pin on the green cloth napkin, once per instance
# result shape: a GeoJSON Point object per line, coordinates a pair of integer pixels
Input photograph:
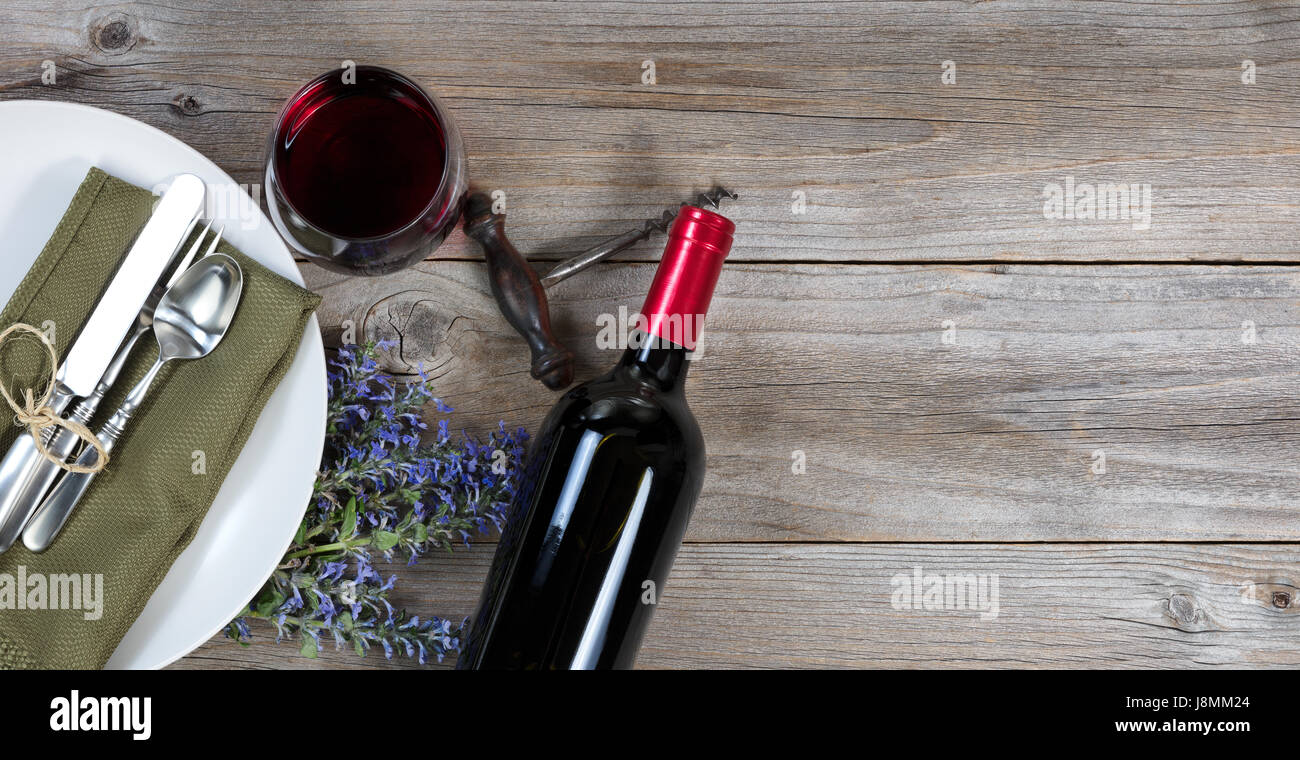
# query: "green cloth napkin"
{"type": "Point", "coordinates": [142, 511]}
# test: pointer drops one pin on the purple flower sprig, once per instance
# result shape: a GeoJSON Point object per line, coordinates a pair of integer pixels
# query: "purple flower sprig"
{"type": "Point", "coordinates": [387, 487]}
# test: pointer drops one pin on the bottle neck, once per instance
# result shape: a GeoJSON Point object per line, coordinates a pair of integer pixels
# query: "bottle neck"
{"type": "Point", "coordinates": [673, 314]}
{"type": "Point", "coordinates": [656, 362]}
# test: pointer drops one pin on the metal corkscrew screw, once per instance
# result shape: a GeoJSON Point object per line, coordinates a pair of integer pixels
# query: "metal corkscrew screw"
{"type": "Point", "coordinates": [604, 250]}
{"type": "Point", "coordinates": [521, 294]}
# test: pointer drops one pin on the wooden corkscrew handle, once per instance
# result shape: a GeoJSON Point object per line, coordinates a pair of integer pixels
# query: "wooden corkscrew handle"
{"type": "Point", "coordinates": [519, 292]}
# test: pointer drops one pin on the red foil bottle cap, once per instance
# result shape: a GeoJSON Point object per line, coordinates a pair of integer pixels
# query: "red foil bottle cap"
{"type": "Point", "coordinates": [698, 242]}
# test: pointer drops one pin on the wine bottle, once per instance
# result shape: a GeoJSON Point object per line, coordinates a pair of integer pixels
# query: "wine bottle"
{"type": "Point", "coordinates": [607, 488]}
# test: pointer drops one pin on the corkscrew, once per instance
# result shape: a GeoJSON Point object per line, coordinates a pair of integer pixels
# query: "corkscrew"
{"type": "Point", "coordinates": [521, 294]}
{"type": "Point", "coordinates": [601, 251]}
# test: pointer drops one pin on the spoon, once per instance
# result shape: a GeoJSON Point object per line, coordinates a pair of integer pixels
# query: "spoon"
{"type": "Point", "coordinates": [190, 320]}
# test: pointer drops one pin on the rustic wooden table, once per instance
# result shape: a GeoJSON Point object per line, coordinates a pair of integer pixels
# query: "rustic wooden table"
{"type": "Point", "coordinates": [915, 364]}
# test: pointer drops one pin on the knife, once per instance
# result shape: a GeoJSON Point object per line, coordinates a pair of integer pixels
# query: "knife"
{"type": "Point", "coordinates": [23, 481]}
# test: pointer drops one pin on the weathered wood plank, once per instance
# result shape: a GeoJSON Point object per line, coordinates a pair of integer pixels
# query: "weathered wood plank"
{"type": "Point", "coordinates": [1076, 402]}
{"type": "Point", "coordinates": [993, 437]}
{"type": "Point", "coordinates": [842, 102]}
{"type": "Point", "coordinates": [802, 606]}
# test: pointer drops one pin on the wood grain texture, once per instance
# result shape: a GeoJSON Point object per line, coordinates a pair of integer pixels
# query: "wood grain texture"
{"type": "Point", "coordinates": [842, 102]}
{"type": "Point", "coordinates": [993, 438]}
{"type": "Point", "coordinates": [819, 606]}
{"type": "Point", "coordinates": [924, 201]}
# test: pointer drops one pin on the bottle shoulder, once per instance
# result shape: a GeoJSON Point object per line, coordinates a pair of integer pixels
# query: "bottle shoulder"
{"type": "Point", "coordinates": [615, 403]}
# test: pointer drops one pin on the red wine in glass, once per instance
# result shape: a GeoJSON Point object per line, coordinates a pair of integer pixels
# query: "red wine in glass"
{"type": "Point", "coordinates": [365, 173]}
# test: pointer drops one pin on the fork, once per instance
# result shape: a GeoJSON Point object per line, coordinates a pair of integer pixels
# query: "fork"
{"type": "Point", "coordinates": [60, 441]}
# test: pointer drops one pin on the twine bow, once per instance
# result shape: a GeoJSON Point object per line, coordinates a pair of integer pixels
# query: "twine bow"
{"type": "Point", "coordinates": [39, 417]}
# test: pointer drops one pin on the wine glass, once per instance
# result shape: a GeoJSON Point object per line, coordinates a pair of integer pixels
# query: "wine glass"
{"type": "Point", "coordinates": [365, 171]}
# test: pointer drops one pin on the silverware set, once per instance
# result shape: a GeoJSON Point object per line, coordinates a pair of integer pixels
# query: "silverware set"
{"type": "Point", "coordinates": [187, 299]}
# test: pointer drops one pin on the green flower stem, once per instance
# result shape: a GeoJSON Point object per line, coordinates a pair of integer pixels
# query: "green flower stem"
{"type": "Point", "coordinates": [323, 548]}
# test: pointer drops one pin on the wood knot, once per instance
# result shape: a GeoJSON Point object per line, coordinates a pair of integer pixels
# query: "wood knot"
{"type": "Point", "coordinates": [188, 105]}
{"type": "Point", "coordinates": [1279, 595]}
{"type": "Point", "coordinates": [114, 34]}
{"type": "Point", "coordinates": [1182, 608]}
{"type": "Point", "coordinates": [430, 331]}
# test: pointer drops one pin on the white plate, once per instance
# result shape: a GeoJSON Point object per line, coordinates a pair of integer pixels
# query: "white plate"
{"type": "Point", "coordinates": [46, 149]}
